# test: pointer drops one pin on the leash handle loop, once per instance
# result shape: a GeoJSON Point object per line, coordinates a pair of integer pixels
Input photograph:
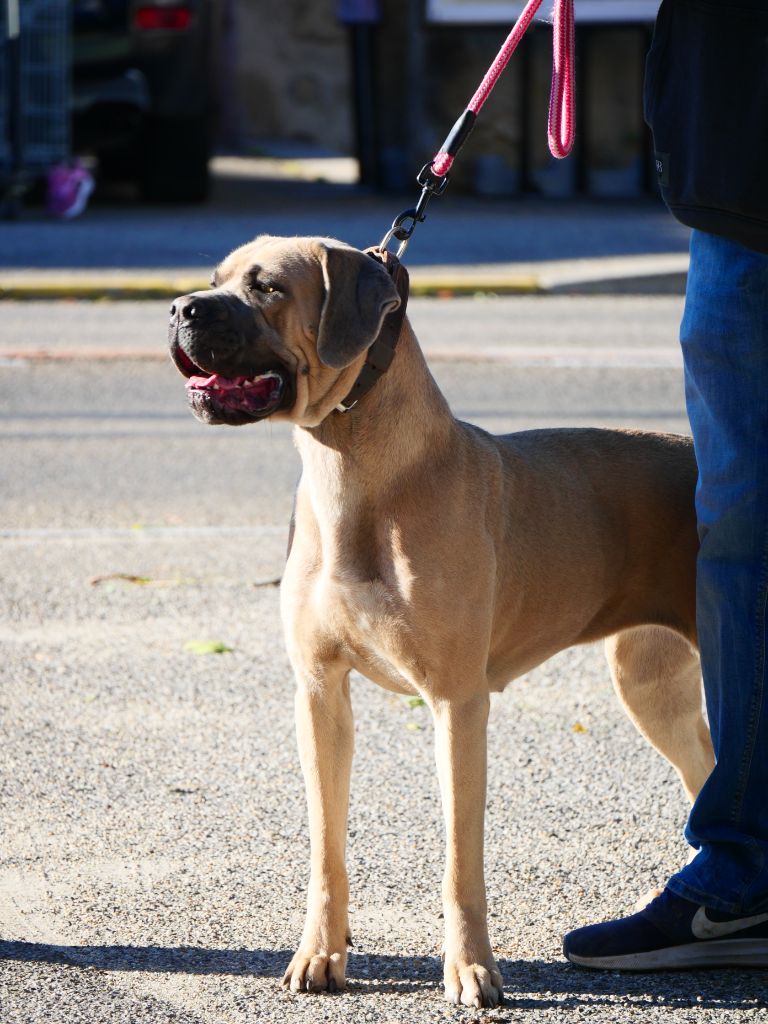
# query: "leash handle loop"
{"type": "Point", "coordinates": [561, 123]}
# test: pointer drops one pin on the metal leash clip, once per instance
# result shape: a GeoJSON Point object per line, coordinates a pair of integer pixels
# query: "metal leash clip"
{"type": "Point", "coordinates": [431, 185]}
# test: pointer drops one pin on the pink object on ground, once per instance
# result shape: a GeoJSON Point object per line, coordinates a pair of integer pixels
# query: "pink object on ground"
{"type": "Point", "coordinates": [69, 189]}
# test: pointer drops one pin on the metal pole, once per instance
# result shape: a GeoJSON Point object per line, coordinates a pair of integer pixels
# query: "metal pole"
{"type": "Point", "coordinates": [15, 119]}
{"type": "Point", "coordinates": [363, 46]}
{"type": "Point", "coordinates": [525, 85]}
{"type": "Point", "coordinates": [582, 152]}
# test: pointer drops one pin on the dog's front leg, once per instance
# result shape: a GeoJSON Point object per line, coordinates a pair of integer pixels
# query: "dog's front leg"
{"type": "Point", "coordinates": [325, 734]}
{"type": "Point", "coordinates": [470, 974]}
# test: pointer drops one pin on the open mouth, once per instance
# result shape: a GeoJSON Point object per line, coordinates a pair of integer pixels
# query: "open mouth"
{"type": "Point", "coordinates": [234, 400]}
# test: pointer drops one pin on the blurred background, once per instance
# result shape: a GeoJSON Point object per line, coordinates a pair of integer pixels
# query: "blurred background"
{"type": "Point", "coordinates": [148, 91]}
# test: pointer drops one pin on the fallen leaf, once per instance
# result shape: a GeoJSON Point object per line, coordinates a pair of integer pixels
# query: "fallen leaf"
{"type": "Point", "coordinates": [415, 702]}
{"type": "Point", "coordinates": [413, 727]}
{"type": "Point", "coordinates": [578, 727]}
{"type": "Point", "coordinates": [207, 647]}
{"type": "Point", "coordinates": [125, 576]}
{"type": "Point", "coordinates": [143, 581]}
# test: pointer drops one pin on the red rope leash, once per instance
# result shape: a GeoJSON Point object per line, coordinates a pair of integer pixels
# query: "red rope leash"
{"type": "Point", "coordinates": [433, 177]}
{"type": "Point", "coordinates": [561, 122]}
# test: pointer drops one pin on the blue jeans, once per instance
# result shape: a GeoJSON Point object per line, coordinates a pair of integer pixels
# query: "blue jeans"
{"type": "Point", "coordinates": [724, 336]}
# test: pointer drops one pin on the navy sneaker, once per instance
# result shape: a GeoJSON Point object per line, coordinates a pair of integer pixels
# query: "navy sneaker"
{"type": "Point", "coordinates": [671, 934]}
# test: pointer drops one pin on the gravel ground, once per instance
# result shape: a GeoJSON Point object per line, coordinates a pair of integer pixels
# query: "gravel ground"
{"type": "Point", "coordinates": [155, 852]}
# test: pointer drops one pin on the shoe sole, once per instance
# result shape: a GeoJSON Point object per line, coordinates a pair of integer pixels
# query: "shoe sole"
{"type": "Point", "coordinates": [723, 953]}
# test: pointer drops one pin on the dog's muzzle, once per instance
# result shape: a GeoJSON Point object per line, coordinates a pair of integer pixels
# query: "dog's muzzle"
{"type": "Point", "coordinates": [232, 377]}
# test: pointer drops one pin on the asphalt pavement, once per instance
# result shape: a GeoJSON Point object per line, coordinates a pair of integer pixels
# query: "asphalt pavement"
{"type": "Point", "coordinates": [466, 244]}
{"type": "Point", "coordinates": [97, 433]}
{"type": "Point", "coordinates": [154, 843]}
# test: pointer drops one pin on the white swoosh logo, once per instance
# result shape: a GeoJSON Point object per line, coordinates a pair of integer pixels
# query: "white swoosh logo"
{"type": "Point", "coordinates": [703, 928]}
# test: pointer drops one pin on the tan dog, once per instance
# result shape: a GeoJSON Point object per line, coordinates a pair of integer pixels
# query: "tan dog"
{"type": "Point", "coordinates": [439, 560]}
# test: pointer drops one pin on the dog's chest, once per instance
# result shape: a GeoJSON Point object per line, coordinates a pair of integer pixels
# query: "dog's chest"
{"type": "Point", "coordinates": [368, 618]}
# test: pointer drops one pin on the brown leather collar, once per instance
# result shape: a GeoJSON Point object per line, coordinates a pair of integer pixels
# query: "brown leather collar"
{"type": "Point", "coordinates": [382, 351]}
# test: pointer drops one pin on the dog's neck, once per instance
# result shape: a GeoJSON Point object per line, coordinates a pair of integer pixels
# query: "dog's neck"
{"type": "Point", "coordinates": [352, 461]}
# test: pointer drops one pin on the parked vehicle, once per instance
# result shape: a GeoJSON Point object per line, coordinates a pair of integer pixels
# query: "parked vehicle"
{"type": "Point", "coordinates": [142, 84]}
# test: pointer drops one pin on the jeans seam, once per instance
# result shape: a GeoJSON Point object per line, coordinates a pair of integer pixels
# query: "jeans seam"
{"type": "Point", "coordinates": [757, 702]}
{"type": "Point", "coordinates": [759, 677]}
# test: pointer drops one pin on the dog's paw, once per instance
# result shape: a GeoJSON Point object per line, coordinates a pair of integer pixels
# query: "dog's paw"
{"type": "Point", "coordinates": [472, 984]}
{"type": "Point", "coordinates": [642, 901]}
{"type": "Point", "coordinates": [311, 971]}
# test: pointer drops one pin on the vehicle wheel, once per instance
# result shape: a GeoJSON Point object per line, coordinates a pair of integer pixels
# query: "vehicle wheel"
{"type": "Point", "coordinates": [174, 166]}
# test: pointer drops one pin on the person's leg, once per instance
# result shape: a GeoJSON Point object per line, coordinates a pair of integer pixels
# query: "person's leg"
{"type": "Point", "coordinates": [725, 346]}
{"type": "Point", "coordinates": [724, 337]}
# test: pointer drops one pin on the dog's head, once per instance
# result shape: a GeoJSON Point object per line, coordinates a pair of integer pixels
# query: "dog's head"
{"type": "Point", "coordinates": [282, 332]}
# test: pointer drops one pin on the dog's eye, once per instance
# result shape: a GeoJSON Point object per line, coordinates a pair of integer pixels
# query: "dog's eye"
{"type": "Point", "coordinates": [261, 285]}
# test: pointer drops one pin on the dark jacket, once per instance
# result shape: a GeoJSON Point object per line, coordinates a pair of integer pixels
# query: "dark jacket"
{"type": "Point", "coordinates": [706, 101]}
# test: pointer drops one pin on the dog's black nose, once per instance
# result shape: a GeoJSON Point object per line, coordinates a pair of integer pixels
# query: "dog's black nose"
{"type": "Point", "coordinates": [188, 307]}
{"type": "Point", "coordinates": [209, 308]}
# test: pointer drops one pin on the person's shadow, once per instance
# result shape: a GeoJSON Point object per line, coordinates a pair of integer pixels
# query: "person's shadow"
{"type": "Point", "coordinates": [528, 984]}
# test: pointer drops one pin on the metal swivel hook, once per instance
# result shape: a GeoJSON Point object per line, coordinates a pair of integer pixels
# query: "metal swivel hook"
{"type": "Point", "coordinates": [405, 223]}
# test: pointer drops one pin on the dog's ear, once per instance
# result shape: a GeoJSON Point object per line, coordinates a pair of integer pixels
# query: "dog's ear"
{"type": "Point", "coordinates": [359, 293]}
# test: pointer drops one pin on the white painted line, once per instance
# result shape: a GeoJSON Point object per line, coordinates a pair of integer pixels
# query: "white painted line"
{"type": "Point", "coordinates": [10, 357]}
{"type": "Point", "coordinates": [97, 534]}
{"type": "Point", "coordinates": [562, 357]}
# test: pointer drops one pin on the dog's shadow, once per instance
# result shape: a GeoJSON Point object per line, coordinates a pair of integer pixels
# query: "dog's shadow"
{"type": "Point", "coordinates": [528, 984]}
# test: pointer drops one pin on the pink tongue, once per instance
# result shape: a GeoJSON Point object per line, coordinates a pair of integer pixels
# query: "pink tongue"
{"type": "Point", "coordinates": [261, 386]}
{"type": "Point", "coordinates": [224, 383]}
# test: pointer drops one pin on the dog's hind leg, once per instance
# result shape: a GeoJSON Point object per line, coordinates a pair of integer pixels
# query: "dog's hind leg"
{"type": "Point", "coordinates": [657, 676]}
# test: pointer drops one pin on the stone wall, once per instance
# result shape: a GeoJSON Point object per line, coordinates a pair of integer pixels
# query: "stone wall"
{"type": "Point", "coordinates": [292, 72]}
